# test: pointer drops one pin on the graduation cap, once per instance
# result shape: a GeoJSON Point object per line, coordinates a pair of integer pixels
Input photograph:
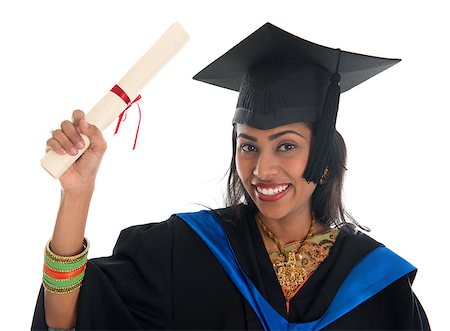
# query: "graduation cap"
{"type": "Point", "coordinates": [284, 79]}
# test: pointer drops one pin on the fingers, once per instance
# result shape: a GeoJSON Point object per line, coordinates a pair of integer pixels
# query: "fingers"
{"type": "Point", "coordinates": [53, 144]}
{"type": "Point", "coordinates": [72, 134]}
{"type": "Point", "coordinates": [98, 143]}
{"type": "Point", "coordinates": [68, 138]}
{"type": "Point", "coordinates": [61, 143]}
{"type": "Point", "coordinates": [77, 116]}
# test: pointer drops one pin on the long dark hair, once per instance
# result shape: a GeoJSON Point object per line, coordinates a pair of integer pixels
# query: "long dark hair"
{"type": "Point", "coordinates": [327, 205]}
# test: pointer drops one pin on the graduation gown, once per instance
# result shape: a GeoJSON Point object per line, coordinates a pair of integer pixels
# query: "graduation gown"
{"type": "Point", "coordinates": [163, 276]}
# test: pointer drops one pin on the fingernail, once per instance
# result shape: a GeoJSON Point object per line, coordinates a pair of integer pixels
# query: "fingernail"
{"type": "Point", "coordinates": [73, 151]}
{"type": "Point", "coordinates": [80, 144]}
{"type": "Point", "coordinates": [84, 123]}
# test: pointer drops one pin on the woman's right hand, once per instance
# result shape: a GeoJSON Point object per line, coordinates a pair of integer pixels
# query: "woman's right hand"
{"type": "Point", "coordinates": [81, 175]}
{"type": "Point", "coordinates": [78, 185]}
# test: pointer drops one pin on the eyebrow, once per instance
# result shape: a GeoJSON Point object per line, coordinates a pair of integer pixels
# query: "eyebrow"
{"type": "Point", "coordinates": [279, 134]}
{"type": "Point", "coordinates": [246, 136]}
{"type": "Point", "coordinates": [271, 137]}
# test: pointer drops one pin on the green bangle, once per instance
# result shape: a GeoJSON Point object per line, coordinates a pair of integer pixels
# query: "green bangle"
{"type": "Point", "coordinates": [56, 265]}
{"type": "Point", "coordinates": [64, 282]}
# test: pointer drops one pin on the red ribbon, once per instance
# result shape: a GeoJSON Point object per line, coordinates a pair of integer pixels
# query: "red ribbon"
{"type": "Point", "coordinates": [121, 94]}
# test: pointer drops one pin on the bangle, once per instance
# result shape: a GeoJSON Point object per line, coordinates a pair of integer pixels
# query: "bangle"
{"type": "Point", "coordinates": [60, 275]}
{"type": "Point", "coordinates": [62, 283]}
{"type": "Point", "coordinates": [64, 274]}
{"type": "Point", "coordinates": [64, 266]}
{"type": "Point", "coordinates": [59, 290]}
{"type": "Point", "coordinates": [67, 259]}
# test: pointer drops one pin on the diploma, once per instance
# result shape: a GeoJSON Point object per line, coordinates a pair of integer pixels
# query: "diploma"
{"type": "Point", "coordinates": [112, 105]}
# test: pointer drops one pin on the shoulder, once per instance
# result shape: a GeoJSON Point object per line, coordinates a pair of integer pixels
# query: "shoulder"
{"type": "Point", "coordinates": [234, 215]}
{"type": "Point", "coordinates": [155, 236]}
{"type": "Point", "coordinates": [360, 245]}
{"type": "Point", "coordinates": [360, 248]}
{"type": "Point", "coordinates": [355, 245]}
{"type": "Point", "coordinates": [159, 234]}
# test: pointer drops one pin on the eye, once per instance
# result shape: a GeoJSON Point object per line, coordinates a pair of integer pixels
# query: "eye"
{"type": "Point", "coordinates": [287, 147]}
{"type": "Point", "coordinates": [248, 148]}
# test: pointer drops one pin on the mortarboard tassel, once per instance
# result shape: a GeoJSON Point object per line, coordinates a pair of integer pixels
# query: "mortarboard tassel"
{"type": "Point", "coordinates": [324, 130]}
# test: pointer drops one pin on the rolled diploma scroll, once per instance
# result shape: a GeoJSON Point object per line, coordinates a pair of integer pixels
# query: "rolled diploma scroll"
{"type": "Point", "coordinates": [111, 105]}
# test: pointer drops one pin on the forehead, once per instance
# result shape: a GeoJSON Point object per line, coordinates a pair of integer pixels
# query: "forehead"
{"type": "Point", "coordinates": [299, 127]}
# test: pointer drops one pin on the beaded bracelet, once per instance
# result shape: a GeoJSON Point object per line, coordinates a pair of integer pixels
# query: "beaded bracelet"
{"type": "Point", "coordinates": [64, 274]}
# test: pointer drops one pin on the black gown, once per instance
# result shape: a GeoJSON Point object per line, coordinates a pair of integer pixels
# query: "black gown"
{"type": "Point", "coordinates": [162, 276]}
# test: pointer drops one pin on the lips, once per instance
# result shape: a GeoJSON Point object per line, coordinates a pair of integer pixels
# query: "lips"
{"type": "Point", "coordinates": [270, 192]}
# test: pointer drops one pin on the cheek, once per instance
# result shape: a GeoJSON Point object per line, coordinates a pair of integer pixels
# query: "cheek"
{"type": "Point", "coordinates": [240, 167]}
{"type": "Point", "coordinates": [296, 167]}
{"type": "Point", "coordinates": [303, 188]}
{"type": "Point", "coordinates": [244, 168]}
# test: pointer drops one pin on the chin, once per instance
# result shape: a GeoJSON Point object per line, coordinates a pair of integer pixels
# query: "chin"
{"type": "Point", "coordinates": [271, 211]}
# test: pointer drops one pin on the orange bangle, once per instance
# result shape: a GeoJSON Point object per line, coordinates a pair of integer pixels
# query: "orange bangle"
{"type": "Point", "coordinates": [65, 274]}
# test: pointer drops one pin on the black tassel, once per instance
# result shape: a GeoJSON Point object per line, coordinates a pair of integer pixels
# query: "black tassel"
{"type": "Point", "coordinates": [324, 132]}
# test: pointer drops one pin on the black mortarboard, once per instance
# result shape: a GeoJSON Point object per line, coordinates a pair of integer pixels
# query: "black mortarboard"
{"type": "Point", "coordinates": [284, 79]}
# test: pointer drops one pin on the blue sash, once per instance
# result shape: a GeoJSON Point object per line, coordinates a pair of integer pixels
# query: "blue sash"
{"type": "Point", "coordinates": [373, 273]}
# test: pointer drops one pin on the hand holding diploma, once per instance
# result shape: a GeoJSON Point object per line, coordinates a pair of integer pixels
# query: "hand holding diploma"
{"type": "Point", "coordinates": [113, 103]}
{"type": "Point", "coordinates": [68, 140]}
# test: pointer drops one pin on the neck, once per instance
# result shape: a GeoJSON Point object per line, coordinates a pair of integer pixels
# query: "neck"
{"type": "Point", "coordinates": [289, 229]}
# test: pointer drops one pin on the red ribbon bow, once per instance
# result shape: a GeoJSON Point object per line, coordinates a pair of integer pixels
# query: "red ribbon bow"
{"type": "Point", "coordinates": [121, 94]}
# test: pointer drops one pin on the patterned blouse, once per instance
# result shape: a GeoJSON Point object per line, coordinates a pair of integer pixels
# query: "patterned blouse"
{"type": "Point", "coordinates": [294, 272]}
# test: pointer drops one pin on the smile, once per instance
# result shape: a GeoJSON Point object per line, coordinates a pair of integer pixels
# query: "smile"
{"type": "Point", "coordinates": [271, 191]}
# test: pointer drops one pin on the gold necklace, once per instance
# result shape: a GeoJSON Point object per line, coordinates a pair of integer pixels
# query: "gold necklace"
{"type": "Point", "coordinates": [290, 274]}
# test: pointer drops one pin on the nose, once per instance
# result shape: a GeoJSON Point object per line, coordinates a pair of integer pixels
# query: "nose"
{"type": "Point", "coordinates": [266, 167]}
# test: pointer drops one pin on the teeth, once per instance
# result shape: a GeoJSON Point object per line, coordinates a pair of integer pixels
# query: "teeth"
{"type": "Point", "coordinates": [271, 191]}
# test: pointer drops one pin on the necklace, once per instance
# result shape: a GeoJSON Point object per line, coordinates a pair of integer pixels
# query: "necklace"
{"type": "Point", "coordinates": [290, 273]}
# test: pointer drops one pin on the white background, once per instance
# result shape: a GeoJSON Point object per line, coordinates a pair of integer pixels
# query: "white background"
{"type": "Point", "coordinates": [60, 55]}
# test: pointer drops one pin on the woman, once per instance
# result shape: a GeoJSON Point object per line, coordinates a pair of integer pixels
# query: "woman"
{"type": "Point", "coordinates": [280, 256]}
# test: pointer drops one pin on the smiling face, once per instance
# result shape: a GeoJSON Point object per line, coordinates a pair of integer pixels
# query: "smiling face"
{"type": "Point", "coordinates": [270, 164]}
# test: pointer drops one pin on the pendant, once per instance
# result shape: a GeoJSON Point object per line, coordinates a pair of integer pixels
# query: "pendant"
{"type": "Point", "coordinates": [290, 274]}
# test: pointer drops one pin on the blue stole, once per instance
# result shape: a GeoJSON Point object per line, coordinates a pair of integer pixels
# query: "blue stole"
{"type": "Point", "coordinates": [373, 273]}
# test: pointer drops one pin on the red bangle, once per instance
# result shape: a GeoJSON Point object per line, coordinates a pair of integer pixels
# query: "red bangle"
{"type": "Point", "coordinates": [64, 274]}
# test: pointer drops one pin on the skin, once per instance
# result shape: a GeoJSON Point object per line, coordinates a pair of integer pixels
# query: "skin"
{"type": "Point", "coordinates": [270, 158]}
{"type": "Point", "coordinates": [77, 187]}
